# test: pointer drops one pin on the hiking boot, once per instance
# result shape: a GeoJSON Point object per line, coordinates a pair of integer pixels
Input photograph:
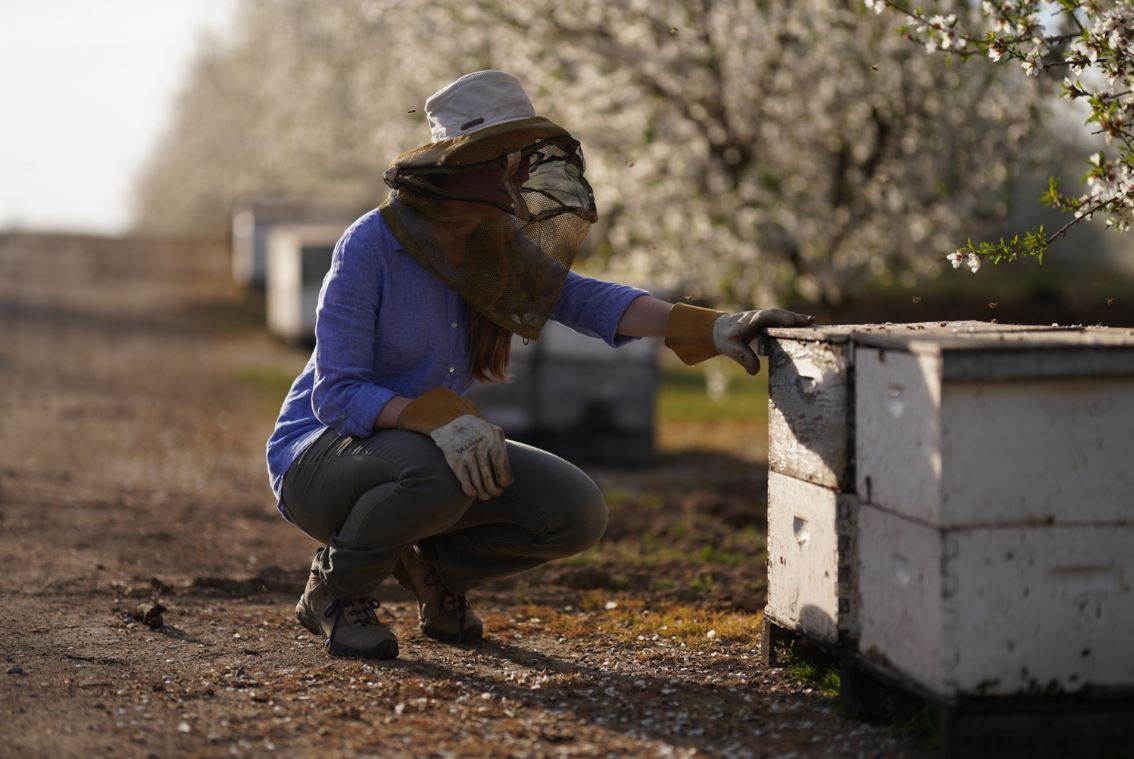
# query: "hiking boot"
{"type": "Point", "coordinates": [445, 615]}
{"type": "Point", "coordinates": [348, 628]}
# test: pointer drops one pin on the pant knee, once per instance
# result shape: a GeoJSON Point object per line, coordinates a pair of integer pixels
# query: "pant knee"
{"type": "Point", "coordinates": [584, 522]}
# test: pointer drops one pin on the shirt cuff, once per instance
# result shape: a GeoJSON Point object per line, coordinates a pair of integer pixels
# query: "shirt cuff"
{"type": "Point", "coordinates": [363, 409]}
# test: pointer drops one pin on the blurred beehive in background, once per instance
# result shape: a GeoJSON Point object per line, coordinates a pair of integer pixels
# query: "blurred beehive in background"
{"type": "Point", "coordinates": [299, 257]}
{"type": "Point", "coordinates": [578, 397]}
{"type": "Point", "coordinates": [252, 223]}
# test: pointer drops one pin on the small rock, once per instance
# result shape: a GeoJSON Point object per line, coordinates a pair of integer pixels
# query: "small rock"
{"type": "Point", "coordinates": [184, 727]}
{"type": "Point", "coordinates": [15, 669]}
{"type": "Point", "coordinates": [149, 614]}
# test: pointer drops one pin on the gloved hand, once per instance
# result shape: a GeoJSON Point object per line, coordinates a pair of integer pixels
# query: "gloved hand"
{"type": "Point", "coordinates": [474, 449]}
{"type": "Point", "coordinates": [696, 334]}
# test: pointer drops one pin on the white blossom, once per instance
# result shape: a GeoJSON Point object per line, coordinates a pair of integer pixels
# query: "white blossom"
{"type": "Point", "coordinates": [887, 156]}
{"type": "Point", "coordinates": [973, 262]}
{"type": "Point", "coordinates": [957, 258]}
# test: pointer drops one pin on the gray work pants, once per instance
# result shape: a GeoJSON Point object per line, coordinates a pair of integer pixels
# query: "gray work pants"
{"type": "Point", "coordinates": [368, 498]}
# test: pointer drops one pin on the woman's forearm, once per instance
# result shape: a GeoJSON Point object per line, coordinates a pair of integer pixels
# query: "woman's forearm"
{"type": "Point", "coordinates": [646, 316]}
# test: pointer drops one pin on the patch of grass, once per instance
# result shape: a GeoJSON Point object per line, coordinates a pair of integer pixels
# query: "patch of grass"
{"type": "Point", "coordinates": [682, 395]}
{"type": "Point", "coordinates": [631, 618]}
{"type": "Point", "coordinates": [909, 714]}
{"type": "Point", "coordinates": [873, 702]}
{"type": "Point", "coordinates": [270, 380]}
{"type": "Point", "coordinates": [822, 676]}
{"type": "Point", "coordinates": [680, 543]}
{"type": "Point", "coordinates": [703, 582]}
{"type": "Point", "coordinates": [650, 551]}
{"type": "Point", "coordinates": [619, 497]}
{"type": "Point", "coordinates": [712, 554]}
{"type": "Point", "coordinates": [689, 419]}
{"type": "Point", "coordinates": [270, 384]}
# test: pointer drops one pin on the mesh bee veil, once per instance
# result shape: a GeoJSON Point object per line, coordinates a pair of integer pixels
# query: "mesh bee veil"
{"type": "Point", "coordinates": [499, 211]}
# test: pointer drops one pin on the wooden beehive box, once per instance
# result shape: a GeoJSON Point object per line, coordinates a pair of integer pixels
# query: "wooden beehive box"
{"type": "Point", "coordinates": [812, 504]}
{"type": "Point", "coordinates": [923, 472]}
{"type": "Point", "coordinates": [995, 534]}
{"type": "Point", "coordinates": [811, 534]}
{"type": "Point", "coordinates": [299, 256]}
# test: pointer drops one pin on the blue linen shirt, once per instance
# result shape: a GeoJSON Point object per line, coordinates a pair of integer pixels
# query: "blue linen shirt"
{"type": "Point", "coordinates": [385, 326]}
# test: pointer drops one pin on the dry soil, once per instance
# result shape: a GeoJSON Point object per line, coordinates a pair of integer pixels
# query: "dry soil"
{"type": "Point", "coordinates": [137, 387]}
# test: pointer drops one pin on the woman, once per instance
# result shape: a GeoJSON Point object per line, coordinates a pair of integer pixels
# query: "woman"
{"type": "Point", "coordinates": [376, 454]}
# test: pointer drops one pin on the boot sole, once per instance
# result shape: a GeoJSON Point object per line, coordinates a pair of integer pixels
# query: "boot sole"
{"type": "Point", "coordinates": [387, 649]}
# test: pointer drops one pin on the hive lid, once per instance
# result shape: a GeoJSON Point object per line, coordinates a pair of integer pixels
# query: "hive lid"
{"type": "Point", "coordinates": [972, 350]}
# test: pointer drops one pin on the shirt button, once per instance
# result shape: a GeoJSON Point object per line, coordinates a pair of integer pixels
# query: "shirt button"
{"type": "Point", "coordinates": [453, 325]}
{"type": "Point", "coordinates": [452, 369]}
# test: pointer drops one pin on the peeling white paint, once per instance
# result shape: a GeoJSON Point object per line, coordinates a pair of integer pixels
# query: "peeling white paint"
{"type": "Point", "coordinates": [992, 546]}
{"type": "Point", "coordinates": [810, 585]}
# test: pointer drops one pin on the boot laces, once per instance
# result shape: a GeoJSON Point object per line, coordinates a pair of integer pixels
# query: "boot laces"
{"type": "Point", "coordinates": [450, 602]}
{"type": "Point", "coordinates": [359, 611]}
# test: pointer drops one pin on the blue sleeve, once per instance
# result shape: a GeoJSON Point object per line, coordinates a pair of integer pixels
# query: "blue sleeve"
{"type": "Point", "coordinates": [594, 308]}
{"type": "Point", "coordinates": [344, 396]}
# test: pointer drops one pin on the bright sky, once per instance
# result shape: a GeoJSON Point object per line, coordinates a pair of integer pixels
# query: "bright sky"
{"type": "Point", "coordinates": [86, 89]}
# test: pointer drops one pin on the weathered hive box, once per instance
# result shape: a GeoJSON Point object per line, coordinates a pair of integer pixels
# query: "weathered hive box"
{"type": "Point", "coordinates": [299, 256]}
{"type": "Point", "coordinates": [996, 519]}
{"type": "Point", "coordinates": [811, 393]}
{"type": "Point", "coordinates": [954, 501]}
{"type": "Point", "coordinates": [252, 225]}
{"type": "Point", "coordinates": [577, 396]}
{"type": "Point", "coordinates": [811, 534]}
{"type": "Point", "coordinates": [812, 505]}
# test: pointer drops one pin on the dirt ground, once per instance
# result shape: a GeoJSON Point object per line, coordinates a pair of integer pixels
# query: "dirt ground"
{"type": "Point", "coordinates": [137, 388]}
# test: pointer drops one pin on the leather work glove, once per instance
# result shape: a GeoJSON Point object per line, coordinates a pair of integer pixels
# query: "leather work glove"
{"type": "Point", "coordinates": [474, 449]}
{"type": "Point", "coordinates": [696, 334]}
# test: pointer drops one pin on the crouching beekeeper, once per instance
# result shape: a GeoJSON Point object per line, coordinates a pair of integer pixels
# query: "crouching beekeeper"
{"type": "Point", "coordinates": [377, 454]}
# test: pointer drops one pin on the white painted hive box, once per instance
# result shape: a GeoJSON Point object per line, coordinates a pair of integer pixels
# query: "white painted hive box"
{"type": "Point", "coordinates": [811, 534]}
{"type": "Point", "coordinates": [812, 506]}
{"type": "Point", "coordinates": [995, 540]}
{"type": "Point", "coordinates": [811, 394]}
{"type": "Point", "coordinates": [252, 224]}
{"type": "Point", "coordinates": [810, 422]}
{"type": "Point", "coordinates": [299, 257]}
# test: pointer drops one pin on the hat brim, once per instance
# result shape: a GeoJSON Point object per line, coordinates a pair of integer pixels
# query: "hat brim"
{"type": "Point", "coordinates": [483, 144]}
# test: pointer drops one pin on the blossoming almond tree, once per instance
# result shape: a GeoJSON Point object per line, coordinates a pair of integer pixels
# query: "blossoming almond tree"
{"type": "Point", "coordinates": [1086, 48]}
{"type": "Point", "coordinates": [754, 150]}
{"type": "Point", "coordinates": [741, 151]}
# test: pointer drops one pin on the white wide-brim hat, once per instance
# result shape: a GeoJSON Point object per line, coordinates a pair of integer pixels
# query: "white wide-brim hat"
{"type": "Point", "coordinates": [476, 101]}
{"type": "Point", "coordinates": [480, 116]}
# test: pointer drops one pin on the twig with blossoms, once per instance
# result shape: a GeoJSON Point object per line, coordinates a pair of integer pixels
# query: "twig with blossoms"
{"type": "Point", "coordinates": [1095, 41]}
